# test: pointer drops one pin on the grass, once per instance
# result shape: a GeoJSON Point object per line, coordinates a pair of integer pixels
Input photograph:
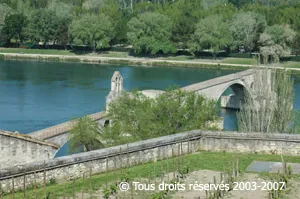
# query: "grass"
{"type": "Point", "coordinates": [115, 54]}
{"type": "Point", "coordinates": [292, 64]}
{"type": "Point", "coordinates": [36, 51]}
{"type": "Point", "coordinates": [246, 61]}
{"type": "Point", "coordinates": [178, 58]}
{"type": "Point", "coordinates": [198, 161]}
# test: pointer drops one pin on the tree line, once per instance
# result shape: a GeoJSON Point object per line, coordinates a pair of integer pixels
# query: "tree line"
{"type": "Point", "coordinates": [156, 26]}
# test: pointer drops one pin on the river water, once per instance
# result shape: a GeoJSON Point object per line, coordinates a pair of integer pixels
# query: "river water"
{"type": "Point", "coordinates": [35, 95]}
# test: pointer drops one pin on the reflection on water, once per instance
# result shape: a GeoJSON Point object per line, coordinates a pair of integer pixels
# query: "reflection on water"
{"type": "Point", "coordinates": [230, 121]}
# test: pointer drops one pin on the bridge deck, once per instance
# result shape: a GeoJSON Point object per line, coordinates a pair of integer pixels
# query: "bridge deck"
{"type": "Point", "coordinates": [61, 128]}
{"type": "Point", "coordinates": [217, 81]}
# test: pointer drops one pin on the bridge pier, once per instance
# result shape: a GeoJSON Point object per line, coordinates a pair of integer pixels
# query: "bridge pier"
{"type": "Point", "coordinates": [230, 101]}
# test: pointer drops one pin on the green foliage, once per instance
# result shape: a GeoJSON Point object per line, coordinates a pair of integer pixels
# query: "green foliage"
{"type": "Point", "coordinates": [160, 195]}
{"type": "Point", "coordinates": [125, 177]}
{"type": "Point", "coordinates": [276, 41]}
{"type": "Point", "coordinates": [93, 30]}
{"type": "Point", "coordinates": [184, 170]}
{"type": "Point", "coordinates": [106, 192]}
{"type": "Point", "coordinates": [46, 26]}
{"type": "Point", "coordinates": [4, 11]}
{"type": "Point", "coordinates": [13, 27]}
{"type": "Point", "coordinates": [137, 117]}
{"type": "Point", "coordinates": [150, 33]}
{"type": "Point", "coordinates": [212, 33]}
{"type": "Point", "coordinates": [245, 28]}
{"type": "Point", "coordinates": [85, 133]}
{"type": "Point", "coordinates": [113, 188]}
{"type": "Point", "coordinates": [227, 11]}
{"type": "Point", "coordinates": [269, 106]}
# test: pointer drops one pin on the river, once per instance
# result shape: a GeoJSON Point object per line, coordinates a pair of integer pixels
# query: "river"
{"type": "Point", "coordinates": [35, 95]}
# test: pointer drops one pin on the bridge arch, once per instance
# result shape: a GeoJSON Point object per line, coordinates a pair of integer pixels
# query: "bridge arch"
{"type": "Point", "coordinates": [234, 100]}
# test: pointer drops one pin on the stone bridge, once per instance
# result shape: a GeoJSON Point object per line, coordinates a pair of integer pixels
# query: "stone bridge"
{"type": "Point", "coordinates": [212, 89]}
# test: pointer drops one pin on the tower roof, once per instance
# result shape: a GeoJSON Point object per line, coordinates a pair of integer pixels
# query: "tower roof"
{"type": "Point", "coordinates": [115, 76]}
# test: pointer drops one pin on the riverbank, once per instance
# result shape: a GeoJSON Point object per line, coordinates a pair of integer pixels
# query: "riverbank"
{"type": "Point", "coordinates": [148, 62]}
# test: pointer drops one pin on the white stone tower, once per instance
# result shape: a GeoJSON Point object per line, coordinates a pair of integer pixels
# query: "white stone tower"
{"type": "Point", "coordinates": [116, 88]}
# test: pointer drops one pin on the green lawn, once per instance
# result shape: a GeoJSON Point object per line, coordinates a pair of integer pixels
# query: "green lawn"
{"type": "Point", "coordinates": [247, 61]}
{"type": "Point", "coordinates": [36, 51]}
{"type": "Point", "coordinates": [114, 54]}
{"type": "Point", "coordinates": [198, 161]}
{"type": "Point", "coordinates": [178, 58]}
{"type": "Point", "coordinates": [62, 52]}
{"type": "Point", "coordinates": [292, 64]}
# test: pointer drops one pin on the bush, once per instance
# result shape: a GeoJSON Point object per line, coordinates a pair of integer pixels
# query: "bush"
{"type": "Point", "coordinates": [290, 58]}
{"type": "Point", "coordinates": [184, 170]}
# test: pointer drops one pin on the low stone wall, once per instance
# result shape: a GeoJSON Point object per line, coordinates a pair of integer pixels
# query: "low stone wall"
{"type": "Point", "coordinates": [73, 166]}
{"type": "Point", "coordinates": [19, 149]}
{"type": "Point", "coordinates": [267, 143]}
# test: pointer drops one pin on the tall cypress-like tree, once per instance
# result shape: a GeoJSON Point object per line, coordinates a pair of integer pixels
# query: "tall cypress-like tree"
{"type": "Point", "coordinates": [269, 107]}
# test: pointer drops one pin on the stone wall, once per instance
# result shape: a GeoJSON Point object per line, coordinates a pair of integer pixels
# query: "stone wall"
{"type": "Point", "coordinates": [16, 149]}
{"type": "Point", "coordinates": [72, 167]}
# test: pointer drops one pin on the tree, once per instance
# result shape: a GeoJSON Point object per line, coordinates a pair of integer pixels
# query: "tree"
{"type": "Point", "coordinates": [245, 28]}
{"type": "Point", "coordinates": [136, 117]}
{"type": "Point", "coordinates": [14, 25]}
{"type": "Point", "coordinates": [296, 45]}
{"type": "Point", "coordinates": [211, 33]}
{"type": "Point", "coordinates": [182, 31]}
{"type": "Point", "coordinates": [4, 10]}
{"type": "Point", "coordinates": [238, 3]}
{"type": "Point", "coordinates": [150, 33]}
{"type": "Point", "coordinates": [61, 34]}
{"type": "Point", "coordinates": [43, 26]}
{"type": "Point", "coordinates": [268, 108]}
{"type": "Point", "coordinates": [78, 8]}
{"type": "Point", "coordinates": [93, 30]}
{"type": "Point", "coordinates": [184, 15]}
{"type": "Point", "coordinates": [119, 19]}
{"type": "Point", "coordinates": [227, 11]}
{"type": "Point", "coordinates": [276, 41]}
{"type": "Point", "coordinates": [60, 8]}
{"type": "Point", "coordinates": [85, 133]}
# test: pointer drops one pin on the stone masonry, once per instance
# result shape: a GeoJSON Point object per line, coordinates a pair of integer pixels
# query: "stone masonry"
{"type": "Point", "coordinates": [73, 166]}
{"type": "Point", "coordinates": [16, 149]}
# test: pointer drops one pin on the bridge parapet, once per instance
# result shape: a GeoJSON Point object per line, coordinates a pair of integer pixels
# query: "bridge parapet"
{"type": "Point", "coordinates": [62, 128]}
{"type": "Point", "coordinates": [218, 81]}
